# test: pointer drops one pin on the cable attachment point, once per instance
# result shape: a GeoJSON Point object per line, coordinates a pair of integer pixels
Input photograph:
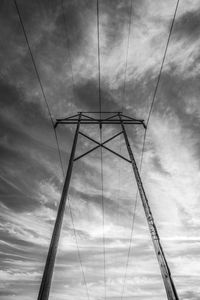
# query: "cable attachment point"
{"type": "Point", "coordinates": [55, 125]}
{"type": "Point", "coordinates": [145, 126]}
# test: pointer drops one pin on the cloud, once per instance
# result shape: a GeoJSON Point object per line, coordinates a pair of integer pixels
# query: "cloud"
{"type": "Point", "coordinates": [64, 45]}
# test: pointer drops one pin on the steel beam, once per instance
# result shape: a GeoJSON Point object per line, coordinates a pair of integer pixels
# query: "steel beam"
{"type": "Point", "coordinates": [99, 145]}
{"type": "Point", "coordinates": [50, 261]}
{"type": "Point", "coordinates": [98, 121]}
{"type": "Point", "coordinates": [88, 120]}
{"type": "Point", "coordinates": [119, 119]}
{"type": "Point", "coordinates": [164, 268]}
{"type": "Point", "coordinates": [102, 145]}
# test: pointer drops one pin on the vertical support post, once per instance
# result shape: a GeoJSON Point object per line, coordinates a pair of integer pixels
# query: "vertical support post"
{"type": "Point", "coordinates": [50, 261]}
{"type": "Point", "coordinates": [165, 271]}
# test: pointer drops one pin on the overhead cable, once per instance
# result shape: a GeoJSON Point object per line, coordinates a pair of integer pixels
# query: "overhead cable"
{"type": "Point", "coordinates": [127, 52]}
{"type": "Point", "coordinates": [145, 133]}
{"type": "Point", "coordinates": [162, 64]}
{"type": "Point", "coordinates": [123, 100]}
{"type": "Point", "coordinates": [40, 83]}
{"type": "Point", "coordinates": [52, 122]}
{"type": "Point", "coordinates": [101, 150]}
{"type": "Point", "coordinates": [68, 44]}
{"type": "Point", "coordinates": [99, 59]}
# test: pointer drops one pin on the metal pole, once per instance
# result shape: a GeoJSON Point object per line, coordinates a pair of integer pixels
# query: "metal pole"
{"type": "Point", "coordinates": [50, 261]}
{"type": "Point", "coordinates": [165, 271]}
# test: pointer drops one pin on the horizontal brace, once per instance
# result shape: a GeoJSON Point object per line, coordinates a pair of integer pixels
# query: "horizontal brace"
{"type": "Point", "coordinates": [98, 122]}
{"type": "Point", "coordinates": [98, 112]}
{"type": "Point", "coordinates": [112, 119]}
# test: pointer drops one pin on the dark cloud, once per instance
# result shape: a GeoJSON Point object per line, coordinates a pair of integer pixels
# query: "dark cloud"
{"type": "Point", "coordinates": [119, 15]}
{"type": "Point", "coordinates": [158, 166]}
{"type": "Point", "coordinates": [70, 20]}
{"type": "Point", "coordinates": [14, 102]}
{"type": "Point", "coordinates": [110, 204]}
{"type": "Point", "coordinates": [63, 41]}
{"type": "Point", "coordinates": [188, 26]}
{"type": "Point", "coordinates": [21, 144]}
{"type": "Point", "coordinates": [174, 94]}
{"type": "Point", "coordinates": [6, 293]}
{"type": "Point", "coordinates": [87, 97]}
{"type": "Point", "coordinates": [191, 295]}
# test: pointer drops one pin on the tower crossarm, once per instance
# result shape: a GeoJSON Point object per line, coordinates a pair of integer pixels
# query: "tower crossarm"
{"type": "Point", "coordinates": [109, 118]}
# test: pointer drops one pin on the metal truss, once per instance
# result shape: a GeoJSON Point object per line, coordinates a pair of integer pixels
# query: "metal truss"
{"type": "Point", "coordinates": [112, 118]}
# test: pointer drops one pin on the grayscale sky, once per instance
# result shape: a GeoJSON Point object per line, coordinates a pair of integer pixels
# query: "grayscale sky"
{"type": "Point", "coordinates": [63, 39]}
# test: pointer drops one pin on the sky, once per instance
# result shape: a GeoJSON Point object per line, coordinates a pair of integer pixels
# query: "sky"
{"type": "Point", "coordinates": [63, 39]}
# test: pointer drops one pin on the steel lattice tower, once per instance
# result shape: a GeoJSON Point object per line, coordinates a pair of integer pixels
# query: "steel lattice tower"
{"type": "Point", "coordinates": [117, 118]}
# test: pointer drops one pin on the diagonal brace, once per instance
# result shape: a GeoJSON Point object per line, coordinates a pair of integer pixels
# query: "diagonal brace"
{"type": "Point", "coordinates": [101, 145]}
{"type": "Point", "coordinates": [84, 154]}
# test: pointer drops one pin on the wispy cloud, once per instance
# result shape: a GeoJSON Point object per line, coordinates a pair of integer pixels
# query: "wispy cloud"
{"type": "Point", "coordinates": [64, 45]}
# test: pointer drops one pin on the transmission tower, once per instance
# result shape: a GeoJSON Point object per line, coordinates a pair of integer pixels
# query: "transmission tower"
{"type": "Point", "coordinates": [117, 118]}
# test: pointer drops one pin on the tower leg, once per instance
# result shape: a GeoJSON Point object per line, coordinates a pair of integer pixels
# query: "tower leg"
{"type": "Point", "coordinates": [50, 261]}
{"type": "Point", "coordinates": [165, 271]}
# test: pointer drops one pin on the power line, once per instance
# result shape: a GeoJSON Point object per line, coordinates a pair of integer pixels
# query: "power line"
{"type": "Point", "coordinates": [162, 64]}
{"type": "Point", "coordinates": [127, 51]}
{"type": "Point", "coordinates": [132, 229]}
{"type": "Point", "coordinates": [99, 58]}
{"type": "Point", "coordinates": [78, 250]}
{"type": "Point", "coordinates": [158, 80]}
{"type": "Point", "coordinates": [103, 215]}
{"type": "Point", "coordinates": [102, 180]}
{"type": "Point", "coordinates": [125, 73]}
{"type": "Point", "coordinates": [145, 134]}
{"type": "Point", "coordinates": [123, 99]}
{"type": "Point", "coordinates": [40, 83]}
{"type": "Point", "coordinates": [130, 245]}
{"type": "Point", "coordinates": [69, 205]}
{"type": "Point", "coordinates": [58, 148]}
{"type": "Point", "coordinates": [68, 44]}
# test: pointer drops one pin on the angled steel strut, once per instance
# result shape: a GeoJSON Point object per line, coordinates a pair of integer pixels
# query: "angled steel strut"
{"type": "Point", "coordinates": [164, 268]}
{"type": "Point", "coordinates": [112, 118]}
